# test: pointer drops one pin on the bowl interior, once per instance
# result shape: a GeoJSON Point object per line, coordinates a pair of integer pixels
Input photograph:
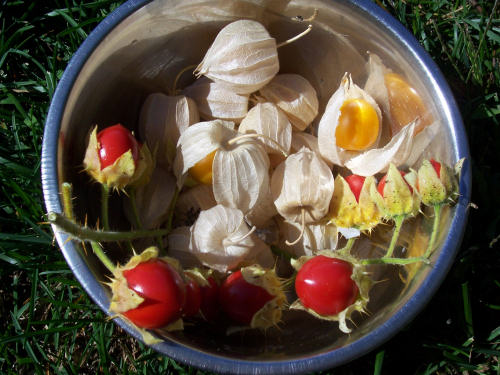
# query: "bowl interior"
{"type": "Point", "coordinates": [144, 53]}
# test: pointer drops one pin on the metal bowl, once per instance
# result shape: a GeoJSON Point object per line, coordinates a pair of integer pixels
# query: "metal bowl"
{"type": "Point", "coordinates": [139, 49]}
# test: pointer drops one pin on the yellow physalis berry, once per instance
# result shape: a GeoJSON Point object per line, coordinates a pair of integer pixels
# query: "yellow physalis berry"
{"type": "Point", "coordinates": [358, 126]}
{"type": "Point", "coordinates": [202, 171]}
{"type": "Point", "coordinates": [405, 103]}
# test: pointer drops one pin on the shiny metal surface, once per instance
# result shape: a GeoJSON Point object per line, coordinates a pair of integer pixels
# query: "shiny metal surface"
{"type": "Point", "coordinates": [139, 49]}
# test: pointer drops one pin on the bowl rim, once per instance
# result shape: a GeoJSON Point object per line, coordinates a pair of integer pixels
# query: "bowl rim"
{"type": "Point", "coordinates": [220, 364]}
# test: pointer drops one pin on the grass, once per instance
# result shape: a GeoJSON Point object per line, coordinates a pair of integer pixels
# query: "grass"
{"type": "Point", "coordinates": [49, 325]}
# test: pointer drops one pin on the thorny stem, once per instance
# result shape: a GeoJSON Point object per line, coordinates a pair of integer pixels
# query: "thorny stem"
{"type": "Point", "coordinates": [67, 196]}
{"type": "Point", "coordinates": [397, 261]}
{"type": "Point", "coordinates": [104, 206]}
{"type": "Point", "coordinates": [88, 234]}
{"type": "Point", "coordinates": [346, 250]}
{"type": "Point", "coordinates": [99, 252]}
{"type": "Point", "coordinates": [178, 76]}
{"type": "Point", "coordinates": [399, 222]}
{"type": "Point", "coordinates": [291, 40]}
{"type": "Point", "coordinates": [255, 135]}
{"type": "Point", "coordinates": [135, 212]}
{"type": "Point", "coordinates": [171, 208]}
{"type": "Point", "coordinates": [435, 229]}
{"type": "Point", "coordinates": [302, 228]}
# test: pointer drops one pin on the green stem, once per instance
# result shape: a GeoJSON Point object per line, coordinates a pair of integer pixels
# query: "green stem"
{"type": "Point", "coordinates": [67, 196]}
{"type": "Point", "coordinates": [135, 212]}
{"type": "Point", "coordinates": [398, 261]}
{"type": "Point", "coordinates": [398, 220]}
{"type": "Point", "coordinates": [346, 250]}
{"type": "Point", "coordinates": [435, 230]}
{"type": "Point", "coordinates": [88, 234]}
{"type": "Point", "coordinates": [99, 252]}
{"type": "Point", "coordinates": [104, 206]}
{"type": "Point", "coordinates": [171, 208]}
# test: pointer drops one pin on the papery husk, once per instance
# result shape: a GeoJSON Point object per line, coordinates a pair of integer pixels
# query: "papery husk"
{"type": "Point", "coordinates": [267, 119]}
{"type": "Point", "coordinates": [193, 200]}
{"type": "Point", "coordinates": [240, 175]}
{"type": "Point", "coordinates": [403, 149]}
{"type": "Point", "coordinates": [328, 124]}
{"type": "Point", "coordinates": [316, 237]}
{"type": "Point", "coordinates": [153, 200]}
{"type": "Point", "coordinates": [270, 314]}
{"type": "Point", "coordinates": [221, 239]}
{"type": "Point", "coordinates": [398, 199]}
{"type": "Point", "coordinates": [180, 247]}
{"type": "Point", "coordinates": [217, 101]}
{"type": "Point", "coordinates": [376, 86]}
{"type": "Point", "coordinates": [360, 277]}
{"type": "Point", "coordinates": [303, 139]}
{"type": "Point", "coordinates": [346, 212]}
{"type": "Point", "coordinates": [295, 96]}
{"type": "Point", "coordinates": [262, 212]}
{"type": "Point", "coordinates": [198, 141]}
{"type": "Point", "coordinates": [243, 56]}
{"type": "Point", "coordinates": [162, 120]}
{"type": "Point", "coordinates": [303, 182]}
{"type": "Point", "coordinates": [123, 172]}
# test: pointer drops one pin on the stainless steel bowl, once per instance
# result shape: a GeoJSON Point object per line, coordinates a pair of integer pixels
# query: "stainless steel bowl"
{"type": "Point", "coordinates": [139, 49]}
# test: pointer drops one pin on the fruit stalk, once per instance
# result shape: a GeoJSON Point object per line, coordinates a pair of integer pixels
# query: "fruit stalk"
{"type": "Point", "coordinates": [398, 220]}
{"type": "Point", "coordinates": [88, 234]}
{"type": "Point", "coordinates": [435, 229]}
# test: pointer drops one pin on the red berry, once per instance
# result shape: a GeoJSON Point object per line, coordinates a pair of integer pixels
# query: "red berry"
{"type": "Point", "coordinates": [241, 300]}
{"type": "Point", "coordinates": [209, 303]}
{"type": "Point", "coordinates": [114, 141]}
{"type": "Point", "coordinates": [324, 284]}
{"type": "Point", "coordinates": [163, 291]}
{"type": "Point", "coordinates": [193, 298]}
{"type": "Point", "coordinates": [437, 167]}
{"type": "Point", "coordinates": [356, 184]}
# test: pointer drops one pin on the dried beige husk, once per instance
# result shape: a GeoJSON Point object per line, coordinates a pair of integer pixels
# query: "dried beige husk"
{"type": "Point", "coordinates": [192, 201]}
{"type": "Point", "coordinates": [329, 121]}
{"type": "Point", "coordinates": [400, 102]}
{"type": "Point", "coordinates": [267, 119]}
{"type": "Point", "coordinates": [180, 247]}
{"type": "Point", "coordinates": [403, 149]}
{"type": "Point", "coordinates": [302, 139]}
{"type": "Point", "coordinates": [262, 212]}
{"type": "Point", "coordinates": [243, 56]}
{"type": "Point", "coordinates": [198, 141]}
{"type": "Point", "coordinates": [295, 96]}
{"type": "Point", "coordinates": [240, 175]}
{"type": "Point", "coordinates": [216, 101]}
{"type": "Point", "coordinates": [302, 187]}
{"type": "Point", "coordinates": [162, 120]}
{"type": "Point", "coordinates": [222, 240]}
{"type": "Point", "coordinates": [152, 201]}
{"type": "Point", "coordinates": [316, 237]}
